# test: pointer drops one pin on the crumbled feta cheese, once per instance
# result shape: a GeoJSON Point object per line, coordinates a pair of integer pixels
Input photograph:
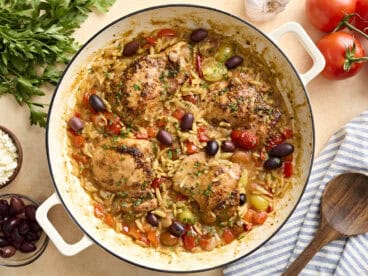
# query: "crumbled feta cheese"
{"type": "Point", "coordinates": [8, 157]}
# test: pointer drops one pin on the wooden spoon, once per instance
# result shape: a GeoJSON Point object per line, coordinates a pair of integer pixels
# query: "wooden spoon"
{"type": "Point", "coordinates": [344, 213]}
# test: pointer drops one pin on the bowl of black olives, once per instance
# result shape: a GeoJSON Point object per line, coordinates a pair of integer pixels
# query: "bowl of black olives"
{"type": "Point", "coordinates": [22, 240]}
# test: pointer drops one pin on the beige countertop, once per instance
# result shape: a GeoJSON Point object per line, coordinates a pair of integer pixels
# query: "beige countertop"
{"type": "Point", "coordinates": [334, 103]}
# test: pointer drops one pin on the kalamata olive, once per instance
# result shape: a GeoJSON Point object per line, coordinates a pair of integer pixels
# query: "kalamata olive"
{"type": "Point", "coordinates": [282, 150]}
{"type": "Point", "coordinates": [3, 241]}
{"type": "Point", "coordinates": [164, 137]}
{"type": "Point", "coordinates": [272, 163]}
{"type": "Point", "coordinates": [152, 219]}
{"type": "Point", "coordinates": [27, 247]}
{"type": "Point", "coordinates": [177, 229]}
{"type": "Point", "coordinates": [16, 244]}
{"type": "Point", "coordinates": [30, 212]}
{"type": "Point", "coordinates": [34, 226]}
{"type": "Point", "coordinates": [187, 122]}
{"type": "Point", "coordinates": [7, 251]}
{"type": "Point", "coordinates": [16, 236]}
{"type": "Point", "coordinates": [22, 215]}
{"type": "Point", "coordinates": [96, 103]}
{"type": "Point", "coordinates": [4, 208]}
{"type": "Point", "coordinates": [212, 147]}
{"type": "Point", "coordinates": [10, 225]}
{"type": "Point", "coordinates": [16, 205]}
{"type": "Point", "coordinates": [131, 48]}
{"type": "Point", "coordinates": [228, 146]}
{"type": "Point", "coordinates": [242, 199]}
{"type": "Point", "coordinates": [234, 62]}
{"type": "Point", "coordinates": [168, 239]}
{"type": "Point", "coordinates": [24, 227]}
{"type": "Point", "coordinates": [32, 236]}
{"type": "Point", "coordinates": [198, 35]}
{"type": "Point", "coordinates": [75, 124]}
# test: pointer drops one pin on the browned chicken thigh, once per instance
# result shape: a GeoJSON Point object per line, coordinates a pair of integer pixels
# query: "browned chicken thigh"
{"type": "Point", "coordinates": [213, 186]}
{"type": "Point", "coordinates": [125, 166]}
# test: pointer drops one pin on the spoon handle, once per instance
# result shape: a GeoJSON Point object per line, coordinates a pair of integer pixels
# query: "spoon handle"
{"type": "Point", "coordinates": [324, 235]}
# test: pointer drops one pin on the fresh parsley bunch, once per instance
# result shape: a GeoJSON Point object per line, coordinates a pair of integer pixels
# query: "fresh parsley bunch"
{"type": "Point", "coordinates": [35, 38]}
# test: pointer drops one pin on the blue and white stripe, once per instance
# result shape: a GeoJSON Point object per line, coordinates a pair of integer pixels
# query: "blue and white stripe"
{"type": "Point", "coordinates": [346, 151]}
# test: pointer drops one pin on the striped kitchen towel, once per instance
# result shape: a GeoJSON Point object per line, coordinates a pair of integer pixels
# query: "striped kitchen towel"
{"type": "Point", "coordinates": [347, 151]}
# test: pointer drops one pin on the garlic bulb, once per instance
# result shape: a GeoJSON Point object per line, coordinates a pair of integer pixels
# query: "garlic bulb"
{"type": "Point", "coordinates": [263, 10]}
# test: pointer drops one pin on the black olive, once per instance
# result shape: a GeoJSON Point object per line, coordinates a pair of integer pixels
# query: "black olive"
{"type": "Point", "coordinates": [4, 208]}
{"type": "Point", "coordinates": [198, 35]}
{"type": "Point", "coordinates": [30, 212]}
{"type": "Point", "coordinates": [24, 227]}
{"type": "Point", "coordinates": [242, 199]}
{"type": "Point", "coordinates": [282, 150]}
{"type": "Point", "coordinates": [164, 137]}
{"type": "Point", "coordinates": [10, 225]}
{"type": "Point", "coordinates": [234, 62]}
{"type": "Point", "coordinates": [152, 219]}
{"type": "Point", "coordinates": [27, 247]}
{"type": "Point", "coordinates": [3, 241]}
{"type": "Point", "coordinates": [177, 229]}
{"type": "Point", "coordinates": [228, 146]}
{"type": "Point", "coordinates": [187, 122]}
{"type": "Point", "coordinates": [32, 236]}
{"type": "Point", "coordinates": [7, 251]}
{"type": "Point", "coordinates": [212, 147]}
{"type": "Point", "coordinates": [16, 236]}
{"type": "Point", "coordinates": [131, 48]}
{"type": "Point", "coordinates": [16, 205]}
{"type": "Point", "coordinates": [34, 226]}
{"type": "Point", "coordinates": [272, 163]}
{"type": "Point", "coordinates": [96, 103]}
{"type": "Point", "coordinates": [75, 124]}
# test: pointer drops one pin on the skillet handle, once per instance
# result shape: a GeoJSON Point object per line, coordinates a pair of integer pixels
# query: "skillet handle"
{"type": "Point", "coordinates": [318, 59]}
{"type": "Point", "coordinates": [65, 248]}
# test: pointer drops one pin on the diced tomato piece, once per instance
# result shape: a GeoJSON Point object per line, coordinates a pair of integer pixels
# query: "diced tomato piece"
{"type": "Point", "coordinates": [166, 33]}
{"type": "Point", "coordinates": [191, 98]}
{"type": "Point", "coordinates": [247, 226]}
{"type": "Point", "coordinates": [259, 218]}
{"type": "Point", "coordinates": [98, 210]}
{"type": "Point", "coordinates": [151, 132]}
{"type": "Point", "coordinates": [228, 236]}
{"type": "Point", "coordinates": [86, 98]}
{"type": "Point", "coordinates": [248, 217]}
{"type": "Point", "coordinates": [202, 136]}
{"type": "Point", "coordinates": [235, 134]}
{"type": "Point", "coordinates": [161, 123]}
{"type": "Point", "coordinates": [109, 220]}
{"type": "Point", "coordinates": [153, 239]}
{"type": "Point", "coordinates": [77, 114]}
{"type": "Point", "coordinates": [289, 157]}
{"type": "Point", "coordinates": [178, 113]}
{"type": "Point", "coordinates": [114, 128]}
{"type": "Point", "coordinates": [80, 157]}
{"type": "Point", "coordinates": [287, 133]}
{"type": "Point", "coordinates": [151, 40]}
{"type": "Point", "coordinates": [156, 183]}
{"type": "Point", "coordinates": [191, 148]}
{"type": "Point", "coordinates": [139, 135]}
{"type": "Point", "coordinates": [190, 239]}
{"type": "Point", "coordinates": [78, 141]}
{"type": "Point", "coordinates": [132, 231]}
{"type": "Point", "coordinates": [288, 169]}
{"type": "Point", "coordinates": [203, 242]}
{"type": "Point", "coordinates": [269, 209]}
{"type": "Point", "coordinates": [199, 66]}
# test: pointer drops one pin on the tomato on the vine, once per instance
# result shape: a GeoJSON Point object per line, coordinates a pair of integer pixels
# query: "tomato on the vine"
{"type": "Point", "coordinates": [344, 55]}
{"type": "Point", "coordinates": [361, 19]}
{"type": "Point", "coordinates": [326, 14]}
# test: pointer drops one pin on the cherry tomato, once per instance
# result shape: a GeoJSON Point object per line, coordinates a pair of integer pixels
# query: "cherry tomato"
{"type": "Point", "coordinates": [287, 133]}
{"type": "Point", "coordinates": [246, 139]}
{"type": "Point", "coordinates": [361, 20]}
{"type": "Point", "coordinates": [151, 132]}
{"type": "Point", "coordinates": [166, 33]}
{"type": "Point", "coordinates": [78, 141]}
{"type": "Point", "coordinates": [189, 239]}
{"type": "Point", "coordinates": [326, 14]}
{"type": "Point", "coordinates": [156, 183]}
{"type": "Point", "coordinates": [228, 236]}
{"type": "Point", "coordinates": [153, 239]}
{"type": "Point", "coordinates": [109, 220]}
{"type": "Point", "coordinates": [151, 40]}
{"type": "Point", "coordinates": [98, 210]}
{"type": "Point", "coordinates": [343, 54]}
{"type": "Point", "coordinates": [114, 128]}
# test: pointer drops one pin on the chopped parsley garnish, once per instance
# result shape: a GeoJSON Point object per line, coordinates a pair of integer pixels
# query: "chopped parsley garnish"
{"type": "Point", "coordinates": [170, 154]}
{"type": "Point", "coordinates": [136, 87]}
{"type": "Point", "coordinates": [223, 91]}
{"type": "Point", "coordinates": [138, 202]}
{"type": "Point", "coordinates": [233, 106]}
{"type": "Point", "coordinates": [208, 191]}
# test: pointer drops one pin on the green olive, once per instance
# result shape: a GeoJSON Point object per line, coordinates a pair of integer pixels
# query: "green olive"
{"type": "Point", "coordinates": [258, 202]}
{"type": "Point", "coordinates": [213, 70]}
{"type": "Point", "coordinates": [168, 239]}
{"type": "Point", "coordinates": [224, 52]}
{"type": "Point", "coordinates": [186, 216]}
